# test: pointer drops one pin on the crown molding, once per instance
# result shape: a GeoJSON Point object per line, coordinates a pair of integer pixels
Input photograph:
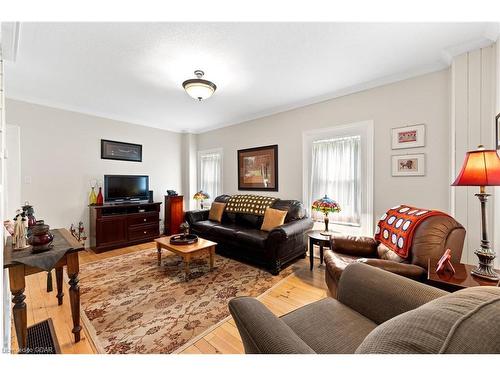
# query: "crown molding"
{"type": "Point", "coordinates": [450, 53]}
{"type": "Point", "coordinates": [84, 111]}
{"type": "Point", "coordinates": [387, 80]}
{"type": "Point", "coordinates": [10, 40]}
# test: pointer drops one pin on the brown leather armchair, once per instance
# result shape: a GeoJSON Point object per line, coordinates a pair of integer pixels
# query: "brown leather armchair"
{"type": "Point", "coordinates": [432, 237]}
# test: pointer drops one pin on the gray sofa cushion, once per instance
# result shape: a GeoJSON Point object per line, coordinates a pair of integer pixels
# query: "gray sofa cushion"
{"type": "Point", "coordinates": [327, 326]}
{"type": "Point", "coordinates": [466, 321]}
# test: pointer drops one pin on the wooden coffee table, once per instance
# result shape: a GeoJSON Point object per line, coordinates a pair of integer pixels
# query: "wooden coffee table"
{"type": "Point", "coordinates": [187, 251]}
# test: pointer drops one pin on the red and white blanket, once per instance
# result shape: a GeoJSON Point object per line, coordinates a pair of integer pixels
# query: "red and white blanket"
{"type": "Point", "coordinates": [397, 226]}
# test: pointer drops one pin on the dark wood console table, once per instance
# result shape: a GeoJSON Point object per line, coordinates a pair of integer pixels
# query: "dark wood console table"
{"type": "Point", "coordinates": [119, 225]}
{"type": "Point", "coordinates": [18, 271]}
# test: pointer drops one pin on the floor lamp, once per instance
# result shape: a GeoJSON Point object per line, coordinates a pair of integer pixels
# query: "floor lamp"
{"type": "Point", "coordinates": [482, 168]}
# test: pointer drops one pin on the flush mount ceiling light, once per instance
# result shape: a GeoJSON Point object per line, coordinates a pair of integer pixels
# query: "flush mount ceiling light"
{"type": "Point", "coordinates": [199, 88]}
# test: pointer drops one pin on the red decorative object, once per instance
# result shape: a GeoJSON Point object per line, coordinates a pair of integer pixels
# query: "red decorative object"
{"type": "Point", "coordinates": [100, 199]}
{"type": "Point", "coordinates": [482, 168]}
{"type": "Point", "coordinates": [444, 263]}
{"type": "Point", "coordinates": [397, 227]}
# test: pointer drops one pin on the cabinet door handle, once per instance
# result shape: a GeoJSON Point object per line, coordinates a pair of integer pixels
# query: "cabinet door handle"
{"type": "Point", "coordinates": [145, 232]}
{"type": "Point", "coordinates": [145, 220]}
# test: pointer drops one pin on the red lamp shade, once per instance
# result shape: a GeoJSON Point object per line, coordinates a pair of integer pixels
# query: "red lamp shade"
{"type": "Point", "coordinates": [481, 168]}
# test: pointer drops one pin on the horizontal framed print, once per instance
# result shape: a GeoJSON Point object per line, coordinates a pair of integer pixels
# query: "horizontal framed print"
{"type": "Point", "coordinates": [408, 136]}
{"type": "Point", "coordinates": [258, 168]}
{"type": "Point", "coordinates": [408, 165]}
{"type": "Point", "coordinates": [114, 150]}
{"type": "Point", "coordinates": [497, 132]}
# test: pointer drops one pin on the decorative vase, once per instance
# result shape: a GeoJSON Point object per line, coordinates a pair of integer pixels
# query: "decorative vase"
{"type": "Point", "coordinates": [92, 197]}
{"type": "Point", "coordinates": [41, 238]}
{"type": "Point", "coordinates": [30, 214]}
{"type": "Point", "coordinates": [99, 199]}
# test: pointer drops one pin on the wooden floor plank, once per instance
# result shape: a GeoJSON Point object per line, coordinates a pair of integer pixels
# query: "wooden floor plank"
{"type": "Point", "coordinates": [302, 287]}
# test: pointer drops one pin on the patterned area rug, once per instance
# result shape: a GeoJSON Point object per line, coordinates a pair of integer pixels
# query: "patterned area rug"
{"type": "Point", "coordinates": [134, 306]}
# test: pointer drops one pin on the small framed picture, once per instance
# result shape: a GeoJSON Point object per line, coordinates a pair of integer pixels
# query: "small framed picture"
{"type": "Point", "coordinates": [114, 150]}
{"type": "Point", "coordinates": [408, 165]}
{"type": "Point", "coordinates": [408, 136]}
{"type": "Point", "coordinates": [497, 132]}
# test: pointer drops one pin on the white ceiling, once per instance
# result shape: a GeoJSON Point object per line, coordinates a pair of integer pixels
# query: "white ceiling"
{"type": "Point", "coordinates": [134, 71]}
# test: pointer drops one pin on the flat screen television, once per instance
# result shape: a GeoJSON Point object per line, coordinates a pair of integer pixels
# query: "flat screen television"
{"type": "Point", "coordinates": [126, 188]}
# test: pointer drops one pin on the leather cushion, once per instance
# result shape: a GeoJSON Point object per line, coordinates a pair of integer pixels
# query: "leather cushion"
{"type": "Point", "coordinates": [460, 322]}
{"type": "Point", "coordinates": [204, 226]}
{"type": "Point", "coordinates": [294, 208]}
{"type": "Point", "coordinates": [329, 327]}
{"type": "Point", "coordinates": [216, 211]}
{"type": "Point", "coordinates": [226, 230]}
{"type": "Point", "coordinates": [252, 237]}
{"type": "Point", "coordinates": [273, 218]}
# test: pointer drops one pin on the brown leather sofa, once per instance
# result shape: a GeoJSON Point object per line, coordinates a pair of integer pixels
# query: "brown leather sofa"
{"type": "Point", "coordinates": [239, 236]}
{"type": "Point", "coordinates": [432, 237]}
{"type": "Point", "coordinates": [376, 312]}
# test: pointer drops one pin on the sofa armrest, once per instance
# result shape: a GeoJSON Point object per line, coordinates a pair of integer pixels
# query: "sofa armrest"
{"type": "Point", "coordinates": [354, 245]}
{"type": "Point", "coordinates": [291, 229]}
{"type": "Point", "coordinates": [411, 271]}
{"type": "Point", "coordinates": [380, 295]}
{"type": "Point", "coordinates": [262, 332]}
{"type": "Point", "coordinates": [196, 215]}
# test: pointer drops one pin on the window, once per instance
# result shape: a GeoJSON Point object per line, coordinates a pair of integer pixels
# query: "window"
{"type": "Point", "coordinates": [338, 162]}
{"type": "Point", "coordinates": [210, 172]}
{"type": "Point", "coordinates": [336, 172]}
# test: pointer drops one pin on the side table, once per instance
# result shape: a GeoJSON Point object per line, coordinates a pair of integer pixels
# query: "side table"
{"type": "Point", "coordinates": [462, 278]}
{"type": "Point", "coordinates": [316, 238]}
{"type": "Point", "coordinates": [18, 272]}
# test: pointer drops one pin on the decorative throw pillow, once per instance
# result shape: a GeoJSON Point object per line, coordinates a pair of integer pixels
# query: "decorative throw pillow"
{"type": "Point", "coordinates": [216, 211]}
{"type": "Point", "coordinates": [273, 218]}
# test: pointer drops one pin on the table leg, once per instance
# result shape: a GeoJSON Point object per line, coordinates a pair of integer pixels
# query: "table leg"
{"type": "Point", "coordinates": [74, 292]}
{"type": "Point", "coordinates": [212, 257]}
{"type": "Point", "coordinates": [187, 259]}
{"type": "Point", "coordinates": [311, 253]}
{"type": "Point", "coordinates": [158, 248]}
{"type": "Point", "coordinates": [17, 285]}
{"type": "Point", "coordinates": [320, 253]}
{"type": "Point", "coordinates": [59, 282]}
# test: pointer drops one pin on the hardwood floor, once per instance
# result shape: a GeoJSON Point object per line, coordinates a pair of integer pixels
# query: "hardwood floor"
{"type": "Point", "coordinates": [299, 289]}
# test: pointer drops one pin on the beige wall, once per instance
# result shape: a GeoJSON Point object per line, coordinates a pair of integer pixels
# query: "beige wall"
{"type": "Point", "coordinates": [60, 152]}
{"type": "Point", "coordinates": [424, 99]}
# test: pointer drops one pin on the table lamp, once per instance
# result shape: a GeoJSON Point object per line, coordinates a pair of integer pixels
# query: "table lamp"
{"type": "Point", "coordinates": [482, 168]}
{"type": "Point", "coordinates": [200, 197]}
{"type": "Point", "coordinates": [325, 205]}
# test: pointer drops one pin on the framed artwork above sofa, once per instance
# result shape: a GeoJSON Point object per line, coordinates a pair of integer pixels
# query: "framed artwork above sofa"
{"type": "Point", "coordinates": [258, 168]}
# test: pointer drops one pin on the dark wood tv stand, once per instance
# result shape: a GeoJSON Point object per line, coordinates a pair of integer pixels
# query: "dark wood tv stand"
{"type": "Point", "coordinates": [119, 225]}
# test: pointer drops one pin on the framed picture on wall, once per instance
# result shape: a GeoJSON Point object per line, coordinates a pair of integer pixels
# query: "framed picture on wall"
{"type": "Point", "coordinates": [258, 168]}
{"type": "Point", "coordinates": [497, 132]}
{"type": "Point", "coordinates": [408, 136]}
{"type": "Point", "coordinates": [120, 151]}
{"type": "Point", "coordinates": [408, 165]}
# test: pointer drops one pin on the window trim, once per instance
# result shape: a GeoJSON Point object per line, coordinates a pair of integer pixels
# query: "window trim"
{"type": "Point", "coordinates": [366, 130]}
{"type": "Point", "coordinates": [200, 153]}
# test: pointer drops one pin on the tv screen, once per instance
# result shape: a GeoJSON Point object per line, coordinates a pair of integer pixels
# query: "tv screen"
{"type": "Point", "coordinates": [125, 188]}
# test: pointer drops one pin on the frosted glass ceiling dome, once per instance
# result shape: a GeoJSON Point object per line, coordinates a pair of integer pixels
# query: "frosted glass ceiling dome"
{"type": "Point", "coordinates": [199, 88]}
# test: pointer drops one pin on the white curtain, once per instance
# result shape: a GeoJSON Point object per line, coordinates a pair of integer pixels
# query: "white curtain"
{"type": "Point", "coordinates": [210, 174]}
{"type": "Point", "coordinates": [336, 172]}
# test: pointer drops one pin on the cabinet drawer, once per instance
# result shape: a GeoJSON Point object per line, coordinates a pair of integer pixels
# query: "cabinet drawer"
{"type": "Point", "coordinates": [146, 218]}
{"type": "Point", "coordinates": [143, 232]}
